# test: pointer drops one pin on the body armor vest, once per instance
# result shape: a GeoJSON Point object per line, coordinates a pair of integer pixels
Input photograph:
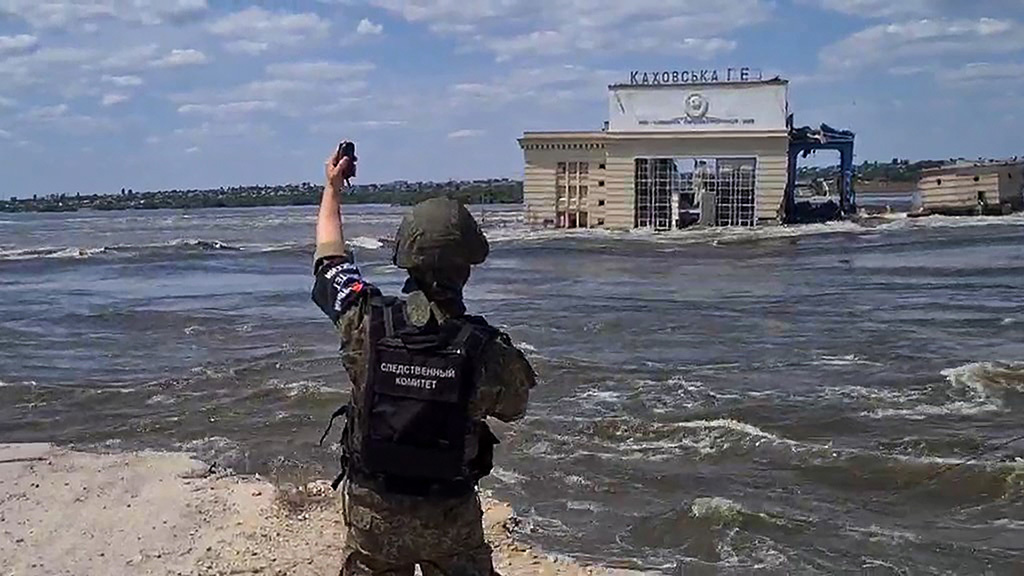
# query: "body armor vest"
{"type": "Point", "coordinates": [414, 416]}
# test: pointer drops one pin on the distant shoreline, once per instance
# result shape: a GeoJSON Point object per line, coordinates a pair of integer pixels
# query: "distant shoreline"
{"type": "Point", "coordinates": [477, 192]}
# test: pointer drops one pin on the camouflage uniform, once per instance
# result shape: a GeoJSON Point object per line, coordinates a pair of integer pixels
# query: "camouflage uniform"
{"type": "Point", "coordinates": [388, 534]}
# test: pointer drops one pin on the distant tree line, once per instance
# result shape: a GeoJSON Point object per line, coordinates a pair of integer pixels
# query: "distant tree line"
{"type": "Point", "coordinates": [494, 191]}
{"type": "Point", "coordinates": [898, 170]}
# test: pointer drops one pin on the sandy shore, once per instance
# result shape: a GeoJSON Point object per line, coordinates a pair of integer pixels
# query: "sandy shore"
{"type": "Point", "coordinates": [64, 512]}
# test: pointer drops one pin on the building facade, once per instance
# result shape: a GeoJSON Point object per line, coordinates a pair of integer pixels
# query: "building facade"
{"type": "Point", "coordinates": [670, 156]}
{"type": "Point", "coordinates": [973, 188]}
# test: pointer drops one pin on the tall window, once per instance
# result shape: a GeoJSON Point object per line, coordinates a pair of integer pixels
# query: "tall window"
{"type": "Point", "coordinates": [572, 184]}
{"type": "Point", "coordinates": [679, 192]}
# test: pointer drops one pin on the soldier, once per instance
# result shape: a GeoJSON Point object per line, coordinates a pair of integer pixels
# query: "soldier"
{"type": "Point", "coordinates": [425, 376]}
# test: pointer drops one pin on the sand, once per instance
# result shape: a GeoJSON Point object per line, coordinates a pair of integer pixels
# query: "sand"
{"type": "Point", "coordinates": [65, 512]}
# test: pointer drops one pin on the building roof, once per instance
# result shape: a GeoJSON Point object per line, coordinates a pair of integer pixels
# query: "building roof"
{"type": "Point", "coordinates": [770, 82]}
{"type": "Point", "coordinates": [974, 167]}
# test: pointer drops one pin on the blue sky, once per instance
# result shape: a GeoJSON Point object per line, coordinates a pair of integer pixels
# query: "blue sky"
{"type": "Point", "coordinates": [96, 95]}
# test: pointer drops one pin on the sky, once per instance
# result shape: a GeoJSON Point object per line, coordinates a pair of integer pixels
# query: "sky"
{"type": "Point", "coordinates": [96, 95]}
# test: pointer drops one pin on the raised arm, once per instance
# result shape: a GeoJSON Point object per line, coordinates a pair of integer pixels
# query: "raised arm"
{"type": "Point", "coordinates": [338, 284]}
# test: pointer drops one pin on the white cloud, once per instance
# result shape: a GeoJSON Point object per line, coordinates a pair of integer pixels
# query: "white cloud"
{"type": "Point", "coordinates": [519, 28]}
{"type": "Point", "coordinates": [219, 128]}
{"type": "Point", "coordinates": [320, 70]}
{"type": "Point", "coordinates": [923, 39]}
{"type": "Point", "coordinates": [180, 10]}
{"type": "Point", "coordinates": [227, 109]}
{"type": "Point", "coordinates": [144, 57]}
{"type": "Point", "coordinates": [5, 134]}
{"type": "Point", "coordinates": [247, 47]}
{"type": "Point", "coordinates": [63, 14]}
{"type": "Point", "coordinates": [60, 117]}
{"type": "Point", "coordinates": [382, 123]}
{"type": "Point", "coordinates": [179, 58]}
{"type": "Point", "coordinates": [56, 13]}
{"type": "Point", "coordinates": [366, 27]}
{"type": "Point", "coordinates": [875, 8]}
{"type": "Point", "coordinates": [42, 65]}
{"type": "Point", "coordinates": [123, 81]}
{"type": "Point", "coordinates": [17, 44]}
{"type": "Point", "coordinates": [295, 89]}
{"type": "Point", "coordinates": [154, 140]}
{"type": "Point", "coordinates": [983, 74]}
{"type": "Point", "coordinates": [7, 102]}
{"type": "Point", "coordinates": [192, 150]}
{"type": "Point", "coordinates": [132, 58]}
{"type": "Point", "coordinates": [548, 85]}
{"type": "Point", "coordinates": [47, 112]}
{"type": "Point", "coordinates": [256, 30]}
{"type": "Point", "coordinates": [466, 133]}
{"type": "Point", "coordinates": [114, 98]}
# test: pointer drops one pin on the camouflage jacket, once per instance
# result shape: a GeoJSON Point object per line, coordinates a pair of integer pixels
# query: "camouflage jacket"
{"type": "Point", "coordinates": [340, 291]}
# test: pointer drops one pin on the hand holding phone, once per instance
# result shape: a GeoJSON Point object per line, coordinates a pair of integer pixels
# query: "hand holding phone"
{"type": "Point", "coordinates": [342, 165]}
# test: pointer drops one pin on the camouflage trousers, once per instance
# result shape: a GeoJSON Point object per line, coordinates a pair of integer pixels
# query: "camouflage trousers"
{"type": "Point", "coordinates": [389, 534]}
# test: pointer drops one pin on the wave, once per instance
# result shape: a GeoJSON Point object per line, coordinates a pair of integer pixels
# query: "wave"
{"type": "Point", "coordinates": [509, 477]}
{"type": "Point", "coordinates": [519, 232]}
{"type": "Point", "coordinates": [718, 510]}
{"type": "Point", "coordinates": [366, 242]}
{"type": "Point", "coordinates": [971, 389]}
{"type": "Point", "coordinates": [223, 452]}
{"type": "Point", "coordinates": [848, 360]}
{"type": "Point", "coordinates": [306, 388]}
{"type": "Point", "coordinates": [130, 250]}
{"type": "Point", "coordinates": [4, 384]}
{"type": "Point", "coordinates": [179, 245]}
{"type": "Point", "coordinates": [33, 253]}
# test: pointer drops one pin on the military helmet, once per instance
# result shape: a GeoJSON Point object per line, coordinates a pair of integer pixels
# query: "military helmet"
{"type": "Point", "coordinates": [439, 233]}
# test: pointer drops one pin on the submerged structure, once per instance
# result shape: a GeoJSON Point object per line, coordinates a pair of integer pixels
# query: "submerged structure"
{"type": "Point", "coordinates": [711, 148]}
{"type": "Point", "coordinates": [972, 188]}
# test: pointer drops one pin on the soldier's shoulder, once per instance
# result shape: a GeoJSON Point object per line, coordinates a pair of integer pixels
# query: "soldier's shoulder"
{"type": "Point", "coordinates": [503, 358]}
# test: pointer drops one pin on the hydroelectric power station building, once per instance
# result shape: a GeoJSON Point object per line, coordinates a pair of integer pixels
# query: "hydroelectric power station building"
{"type": "Point", "coordinates": [709, 147]}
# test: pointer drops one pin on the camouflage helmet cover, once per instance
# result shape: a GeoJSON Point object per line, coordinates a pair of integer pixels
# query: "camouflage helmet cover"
{"type": "Point", "coordinates": [439, 233]}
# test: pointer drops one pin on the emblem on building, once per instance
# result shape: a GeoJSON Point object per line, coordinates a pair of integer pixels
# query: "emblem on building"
{"type": "Point", "coordinates": [696, 106]}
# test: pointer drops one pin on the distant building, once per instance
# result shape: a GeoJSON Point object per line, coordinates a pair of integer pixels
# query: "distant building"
{"type": "Point", "coordinates": [713, 150]}
{"type": "Point", "coordinates": [993, 187]}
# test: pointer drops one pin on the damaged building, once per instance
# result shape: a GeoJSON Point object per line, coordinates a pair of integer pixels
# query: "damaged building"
{"type": "Point", "coordinates": [678, 154]}
{"type": "Point", "coordinates": [972, 188]}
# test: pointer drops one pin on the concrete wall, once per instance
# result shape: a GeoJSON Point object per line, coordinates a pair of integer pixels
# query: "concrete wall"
{"type": "Point", "coordinates": [542, 158]}
{"type": "Point", "coordinates": [623, 150]}
{"type": "Point", "coordinates": [1011, 183]}
{"type": "Point", "coordinates": [958, 191]}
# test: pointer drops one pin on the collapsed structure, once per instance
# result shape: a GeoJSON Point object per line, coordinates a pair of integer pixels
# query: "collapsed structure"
{"type": "Point", "coordinates": [714, 148]}
{"type": "Point", "coordinates": [972, 188]}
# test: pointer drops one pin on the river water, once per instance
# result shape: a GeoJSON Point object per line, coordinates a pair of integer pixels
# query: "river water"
{"type": "Point", "coordinates": [813, 400]}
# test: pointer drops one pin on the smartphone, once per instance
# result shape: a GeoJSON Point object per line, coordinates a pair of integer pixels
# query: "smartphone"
{"type": "Point", "coordinates": [347, 150]}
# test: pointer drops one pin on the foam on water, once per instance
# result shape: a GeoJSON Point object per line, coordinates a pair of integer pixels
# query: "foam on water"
{"type": "Point", "coordinates": [983, 383]}
{"type": "Point", "coordinates": [890, 536]}
{"type": "Point", "coordinates": [506, 476]}
{"type": "Point", "coordinates": [526, 347]}
{"type": "Point", "coordinates": [366, 242]}
{"type": "Point", "coordinates": [304, 387]}
{"type": "Point", "coordinates": [125, 250]}
{"type": "Point", "coordinates": [218, 450]}
{"type": "Point", "coordinates": [736, 426]}
{"type": "Point", "coordinates": [954, 222]}
{"type": "Point", "coordinates": [161, 399]}
{"type": "Point", "coordinates": [718, 510]}
{"type": "Point", "coordinates": [848, 360]}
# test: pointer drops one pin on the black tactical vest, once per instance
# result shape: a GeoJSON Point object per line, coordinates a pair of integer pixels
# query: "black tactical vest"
{"type": "Point", "coordinates": [414, 415]}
